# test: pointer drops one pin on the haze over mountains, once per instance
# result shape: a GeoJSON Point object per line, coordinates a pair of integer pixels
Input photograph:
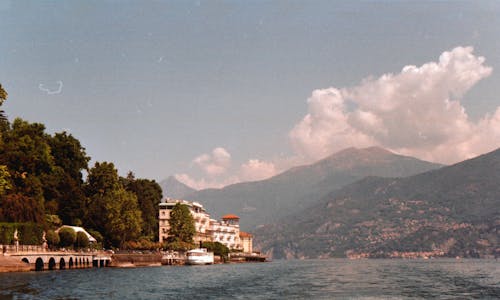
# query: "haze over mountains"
{"type": "Point", "coordinates": [453, 211]}
{"type": "Point", "coordinates": [263, 202]}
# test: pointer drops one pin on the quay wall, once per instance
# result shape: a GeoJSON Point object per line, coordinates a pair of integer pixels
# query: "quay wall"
{"type": "Point", "coordinates": [135, 260]}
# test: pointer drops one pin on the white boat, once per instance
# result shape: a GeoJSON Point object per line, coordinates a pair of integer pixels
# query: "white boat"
{"type": "Point", "coordinates": [199, 256]}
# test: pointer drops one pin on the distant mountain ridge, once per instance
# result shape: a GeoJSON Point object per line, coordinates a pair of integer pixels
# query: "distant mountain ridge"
{"type": "Point", "coordinates": [452, 211]}
{"type": "Point", "coordinates": [173, 188]}
{"type": "Point", "coordinates": [265, 201]}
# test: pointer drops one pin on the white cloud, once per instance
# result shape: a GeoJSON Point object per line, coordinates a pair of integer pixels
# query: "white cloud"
{"type": "Point", "coordinates": [415, 112]}
{"type": "Point", "coordinates": [255, 169]}
{"type": "Point", "coordinates": [204, 183]}
{"type": "Point", "coordinates": [216, 170]}
{"type": "Point", "coordinates": [214, 164]}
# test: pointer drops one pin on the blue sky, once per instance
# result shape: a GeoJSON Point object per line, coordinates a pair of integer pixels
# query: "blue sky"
{"type": "Point", "coordinates": [217, 91]}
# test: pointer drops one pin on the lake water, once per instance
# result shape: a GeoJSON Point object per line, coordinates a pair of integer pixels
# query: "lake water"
{"type": "Point", "coordinates": [313, 279]}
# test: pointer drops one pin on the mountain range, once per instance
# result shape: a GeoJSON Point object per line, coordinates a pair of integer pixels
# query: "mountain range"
{"type": "Point", "coordinates": [451, 211]}
{"type": "Point", "coordinates": [262, 202]}
{"type": "Point", "coordinates": [173, 188]}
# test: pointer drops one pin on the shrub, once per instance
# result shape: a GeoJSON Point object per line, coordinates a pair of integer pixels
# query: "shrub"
{"type": "Point", "coordinates": [141, 244]}
{"type": "Point", "coordinates": [217, 248]}
{"type": "Point", "coordinates": [82, 240]}
{"type": "Point", "coordinates": [177, 245]}
{"type": "Point", "coordinates": [67, 236]}
{"type": "Point", "coordinates": [96, 234]}
{"type": "Point", "coordinates": [52, 238]}
{"type": "Point", "coordinates": [28, 233]}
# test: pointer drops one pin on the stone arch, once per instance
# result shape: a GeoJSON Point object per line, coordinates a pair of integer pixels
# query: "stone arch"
{"type": "Point", "coordinates": [81, 262]}
{"type": "Point", "coordinates": [25, 260]}
{"type": "Point", "coordinates": [52, 263]}
{"type": "Point", "coordinates": [39, 264]}
{"type": "Point", "coordinates": [88, 263]}
{"type": "Point", "coordinates": [62, 264]}
{"type": "Point", "coordinates": [70, 263]}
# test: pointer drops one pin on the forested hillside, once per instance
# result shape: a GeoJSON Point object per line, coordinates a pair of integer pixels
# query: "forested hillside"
{"type": "Point", "coordinates": [453, 211]}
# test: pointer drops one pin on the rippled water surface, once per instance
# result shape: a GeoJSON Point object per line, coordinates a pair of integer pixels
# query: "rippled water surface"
{"type": "Point", "coordinates": [313, 279]}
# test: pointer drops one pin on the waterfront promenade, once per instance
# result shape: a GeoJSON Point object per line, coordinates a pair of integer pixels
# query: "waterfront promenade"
{"type": "Point", "coordinates": [37, 258]}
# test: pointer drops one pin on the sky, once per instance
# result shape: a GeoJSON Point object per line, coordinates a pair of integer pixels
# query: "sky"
{"type": "Point", "coordinates": [219, 92]}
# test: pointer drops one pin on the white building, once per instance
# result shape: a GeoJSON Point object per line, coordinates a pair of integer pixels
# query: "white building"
{"type": "Point", "coordinates": [200, 216]}
{"type": "Point", "coordinates": [225, 231]}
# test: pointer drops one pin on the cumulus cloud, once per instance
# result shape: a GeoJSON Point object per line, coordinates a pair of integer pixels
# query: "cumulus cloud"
{"type": "Point", "coordinates": [215, 163]}
{"type": "Point", "coordinates": [216, 170]}
{"type": "Point", "coordinates": [255, 169]}
{"type": "Point", "coordinates": [205, 183]}
{"type": "Point", "coordinates": [414, 112]}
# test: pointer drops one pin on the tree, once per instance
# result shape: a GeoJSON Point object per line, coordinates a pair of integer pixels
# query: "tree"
{"type": "Point", "coordinates": [82, 240]}
{"type": "Point", "coordinates": [65, 183]}
{"type": "Point", "coordinates": [112, 210]}
{"type": "Point", "coordinates": [25, 152]}
{"type": "Point", "coordinates": [149, 195]}
{"type": "Point", "coordinates": [20, 208]}
{"type": "Point", "coordinates": [5, 183]}
{"type": "Point", "coordinates": [67, 236]}
{"type": "Point", "coordinates": [181, 224]}
{"type": "Point", "coordinates": [3, 97]}
{"type": "Point", "coordinates": [123, 218]}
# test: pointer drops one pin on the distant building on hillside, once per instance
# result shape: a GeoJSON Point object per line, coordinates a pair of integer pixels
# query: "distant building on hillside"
{"type": "Point", "coordinates": [225, 231]}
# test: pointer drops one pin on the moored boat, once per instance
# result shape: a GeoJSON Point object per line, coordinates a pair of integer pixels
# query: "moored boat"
{"type": "Point", "coordinates": [199, 256]}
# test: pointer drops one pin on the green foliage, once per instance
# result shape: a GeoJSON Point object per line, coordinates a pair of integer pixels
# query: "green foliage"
{"type": "Point", "coordinates": [7, 233]}
{"type": "Point", "coordinates": [181, 224]}
{"type": "Point", "coordinates": [3, 97]}
{"type": "Point", "coordinates": [53, 221]}
{"type": "Point", "coordinates": [52, 238]}
{"type": "Point", "coordinates": [178, 245]}
{"type": "Point", "coordinates": [26, 150]}
{"type": "Point", "coordinates": [111, 209]}
{"type": "Point", "coordinates": [41, 180]}
{"type": "Point", "coordinates": [82, 240]}
{"type": "Point", "coordinates": [141, 244]}
{"type": "Point", "coordinates": [5, 183]}
{"type": "Point", "coordinates": [149, 195]}
{"type": "Point", "coordinates": [96, 234]}
{"type": "Point", "coordinates": [67, 236]}
{"type": "Point", "coordinates": [124, 218]}
{"type": "Point", "coordinates": [28, 233]}
{"type": "Point", "coordinates": [65, 184]}
{"type": "Point", "coordinates": [21, 208]}
{"type": "Point", "coordinates": [217, 248]}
